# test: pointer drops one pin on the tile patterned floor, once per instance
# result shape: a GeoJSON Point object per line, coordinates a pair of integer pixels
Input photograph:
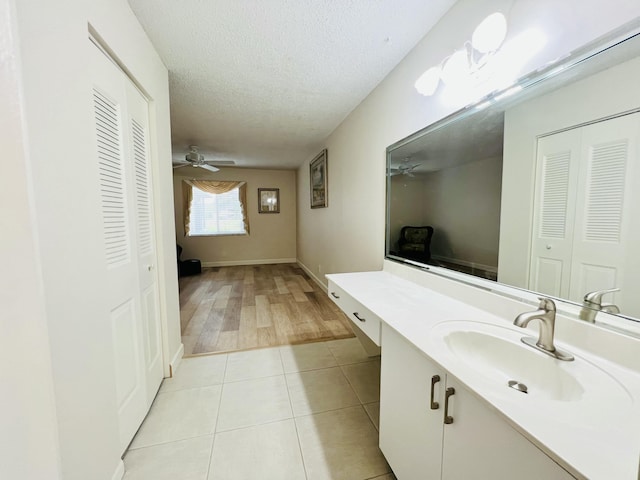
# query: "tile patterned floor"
{"type": "Point", "coordinates": [307, 412]}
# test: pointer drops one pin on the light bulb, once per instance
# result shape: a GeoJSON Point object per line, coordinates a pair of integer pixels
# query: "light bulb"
{"type": "Point", "coordinates": [489, 35]}
{"type": "Point", "coordinates": [428, 81]}
{"type": "Point", "coordinates": [456, 68]}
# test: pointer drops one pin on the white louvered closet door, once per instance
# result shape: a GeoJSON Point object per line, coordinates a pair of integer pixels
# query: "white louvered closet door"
{"type": "Point", "coordinates": [138, 129]}
{"type": "Point", "coordinates": [115, 145]}
{"type": "Point", "coordinates": [606, 234]}
{"type": "Point", "coordinates": [587, 184]}
{"type": "Point", "coordinates": [558, 158]}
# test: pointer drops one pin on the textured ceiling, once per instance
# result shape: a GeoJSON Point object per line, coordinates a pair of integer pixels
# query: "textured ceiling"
{"type": "Point", "coordinates": [264, 82]}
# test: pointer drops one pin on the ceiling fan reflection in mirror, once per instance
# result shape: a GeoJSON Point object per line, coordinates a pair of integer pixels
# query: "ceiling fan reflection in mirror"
{"type": "Point", "coordinates": [404, 169]}
{"type": "Point", "coordinates": [195, 159]}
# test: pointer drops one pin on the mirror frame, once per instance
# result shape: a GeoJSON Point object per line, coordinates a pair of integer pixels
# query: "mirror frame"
{"type": "Point", "coordinates": [624, 33]}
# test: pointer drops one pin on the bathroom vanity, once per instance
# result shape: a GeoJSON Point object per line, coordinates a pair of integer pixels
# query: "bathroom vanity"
{"type": "Point", "coordinates": [530, 197]}
{"type": "Point", "coordinates": [451, 358]}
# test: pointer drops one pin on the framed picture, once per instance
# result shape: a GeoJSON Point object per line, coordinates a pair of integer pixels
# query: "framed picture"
{"type": "Point", "coordinates": [318, 179]}
{"type": "Point", "coordinates": [268, 200]}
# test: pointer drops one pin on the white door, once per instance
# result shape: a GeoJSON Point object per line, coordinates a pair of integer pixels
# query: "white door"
{"type": "Point", "coordinates": [138, 119]}
{"type": "Point", "coordinates": [558, 159]}
{"type": "Point", "coordinates": [128, 240]}
{"type": "Point", "coordinates": [587, 182]}
{"type": "Point", "coordinates": [605, 230]}
{"type": "Point", "coordinates": [410, 423]}
{"type": "Point", "coordinates": [480, 444]}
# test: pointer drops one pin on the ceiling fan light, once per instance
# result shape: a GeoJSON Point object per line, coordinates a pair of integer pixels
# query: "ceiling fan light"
{"type": "Point", "coordinates": [489, 35]}
{"type": "Point", "coordinates": [428, 82]}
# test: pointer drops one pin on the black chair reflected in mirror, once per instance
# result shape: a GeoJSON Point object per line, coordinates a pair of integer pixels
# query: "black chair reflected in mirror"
{"type": "Point", "coordinates": [415, 243]}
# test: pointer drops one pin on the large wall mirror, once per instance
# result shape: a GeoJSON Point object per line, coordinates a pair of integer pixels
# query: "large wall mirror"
{"type": "Point", "coordinates": [536, 187]}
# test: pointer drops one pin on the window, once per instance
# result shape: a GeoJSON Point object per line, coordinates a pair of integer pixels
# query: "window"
{"type": "Point", "coordinates": [215, 208]}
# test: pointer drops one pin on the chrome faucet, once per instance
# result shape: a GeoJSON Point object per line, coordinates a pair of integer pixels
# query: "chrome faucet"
{"type": "Point", "coordinates": [546, 313]}
{"type": "Point", "coordinates": [593, 304]}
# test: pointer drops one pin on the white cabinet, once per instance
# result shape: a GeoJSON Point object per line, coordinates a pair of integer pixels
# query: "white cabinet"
{"type": "Point", "coordinates": [410, 430]}
{"type": "Point", "coordinates": [361, 316]}
{"type": "Point", "coordinates": [417, 443]}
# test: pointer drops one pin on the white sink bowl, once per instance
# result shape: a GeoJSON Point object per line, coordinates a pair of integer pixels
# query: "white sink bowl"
{"type": "Point", "coordinates": [497, 354]}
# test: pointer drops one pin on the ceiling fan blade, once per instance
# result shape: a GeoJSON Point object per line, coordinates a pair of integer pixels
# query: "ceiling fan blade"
{"type": "Point", "coordinates": [208, 167]}
{"type": "Point", "coordinates": [177, 165]}
{"type": "Point", "coordinates": [220, 162]}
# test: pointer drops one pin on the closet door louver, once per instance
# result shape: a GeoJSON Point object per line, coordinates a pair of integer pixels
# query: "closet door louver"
{"type": "Point", "coordinates": [143, 193]}
{"type": "Point", "coordinates": [555, 191]}
{"type": "Point", "coordinates": [111, 178]}
{"type": "Point", "coordinates": [605, 192]}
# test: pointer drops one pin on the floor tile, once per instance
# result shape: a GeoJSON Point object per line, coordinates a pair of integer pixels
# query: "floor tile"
{"type": "Point", "coordinates": [365, 380]}
{"type": "Point", "coordinates": [348, 351]}
{"type": "Point", "coordinates": [197, 372]}
{"type": "Point", "coordinates": [340, 445]}
{"type": "Point", "coordinates": [265, 452]}
{"type": "Point", "coordinates": [297, 358]}
{"type": "Point", "coordinates": [179, 415]}
{"type": "Point", "coordinates": [320, 390]}
{"type": "Point", "coordinates": [253, 364]}
{"type": "Point", "coordinates": [253, 402]}
{"type": "Point", "coordinates": [373, 410]}
{"type": "Point", "coordinates": [185, 459]}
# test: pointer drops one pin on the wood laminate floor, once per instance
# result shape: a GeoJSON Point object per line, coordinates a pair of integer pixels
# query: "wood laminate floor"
{"type": "Point", "coordinates": [244, 307]}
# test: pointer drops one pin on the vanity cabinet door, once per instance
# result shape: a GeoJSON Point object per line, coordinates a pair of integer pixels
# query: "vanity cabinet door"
{"type": "Point", "coordinates": [410, 431]}
{"type": "Point", "coordinates": [482, 445]}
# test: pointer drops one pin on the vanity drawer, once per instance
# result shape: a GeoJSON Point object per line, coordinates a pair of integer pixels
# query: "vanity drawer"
{"type": "Point", "coordinates": [361, 316]}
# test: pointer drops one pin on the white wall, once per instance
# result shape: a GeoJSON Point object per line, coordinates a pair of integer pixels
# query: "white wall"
{"type": "Point", "coordinates": [610, 92]}
{"type": "Point", "coordinates": [349, 234]}
{"type": "Point", "coordinates": [28, 428]}
{"type": "Point", "coordinates": [56, 193]}
{"type": "Point", "coordinates": [463, 204]}
{"type": "Point", "coordinates": [407, 205]}
{"type": "Point", "coordinates": [272, 236]}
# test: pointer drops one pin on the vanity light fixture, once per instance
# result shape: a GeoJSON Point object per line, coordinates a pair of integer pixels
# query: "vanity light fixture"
{"type": "Point", "coordinates": [462, 64]}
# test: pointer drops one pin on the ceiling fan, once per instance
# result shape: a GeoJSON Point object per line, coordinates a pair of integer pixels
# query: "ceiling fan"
{"type": "Point", "coordinates": [195, 159]}
{"type": "Point", "coordinates": [404, 169]}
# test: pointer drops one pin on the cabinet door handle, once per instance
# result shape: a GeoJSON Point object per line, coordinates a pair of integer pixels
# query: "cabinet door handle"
{"type": "Point", "coordinates": [435, 379]}
{"type": "Point", "coordinates": [333, 294]}
{"type": "Point", "coordinates": [448, 419]}
{"type": "Point", "coordinates": [355, 314]}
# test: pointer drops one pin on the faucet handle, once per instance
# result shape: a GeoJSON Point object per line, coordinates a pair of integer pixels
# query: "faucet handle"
{"type": "Point", "coordinates": [547, 304]}
{"type": "Point", "coordinates": [596, 296]}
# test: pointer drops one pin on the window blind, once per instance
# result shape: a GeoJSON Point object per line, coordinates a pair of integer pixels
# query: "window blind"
{"type": "Point", "coordinates": [216, 214]}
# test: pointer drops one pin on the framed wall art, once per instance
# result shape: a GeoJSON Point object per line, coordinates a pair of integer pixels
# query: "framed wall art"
{"type": "Point", "coordinates": [318, 180]}
{"type": "Point", "coordinates": [268, 200]}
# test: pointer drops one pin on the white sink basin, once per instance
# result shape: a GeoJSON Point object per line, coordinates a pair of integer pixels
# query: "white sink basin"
{"type": "Point", "coordinates": [497, 354]}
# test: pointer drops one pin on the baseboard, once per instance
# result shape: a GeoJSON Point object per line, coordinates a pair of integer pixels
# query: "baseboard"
{"type": "Point", "coordinates": [175, 362]}
{"type": "Point", "coordinates": [465, 263]}
{"type": "Point", "coordinates": [312, 276]}
{"type": "Point", "coordinates": [231, 263]}
{"type": "Point", "coordinates": [119, 473]}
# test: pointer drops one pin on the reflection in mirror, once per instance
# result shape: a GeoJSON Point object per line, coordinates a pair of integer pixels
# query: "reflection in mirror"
{"type": "Point", "coordinates": [539, 189]}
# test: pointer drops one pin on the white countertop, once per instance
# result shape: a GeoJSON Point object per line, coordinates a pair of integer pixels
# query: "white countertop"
{"type": "Point", "coordinates": [595, 438]}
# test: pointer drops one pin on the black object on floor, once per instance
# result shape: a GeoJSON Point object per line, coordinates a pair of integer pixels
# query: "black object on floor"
{"type": "Point", "coordinates": [188, 267]}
